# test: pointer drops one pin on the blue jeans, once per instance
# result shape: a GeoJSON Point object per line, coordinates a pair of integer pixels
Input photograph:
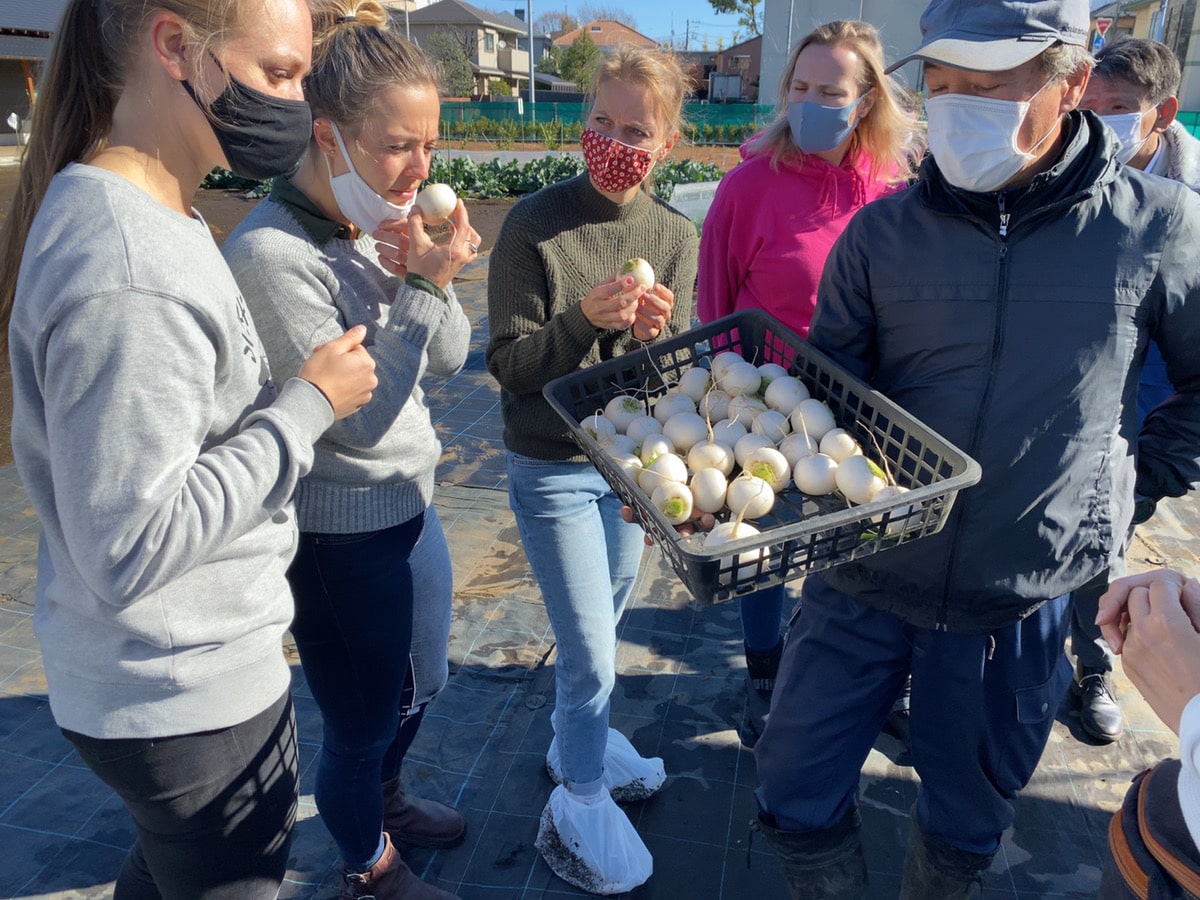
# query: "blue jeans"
{"type": "Point", "coordinates": [982, 709]}
{"type": "Point", "coordinates": [372, 625]}
{"type": "Point", "coordinates": [762, 617]}
{"type": "Point", "coordinates": [213, 811]}
{"type": "Point", "coordinates": [585, 559]}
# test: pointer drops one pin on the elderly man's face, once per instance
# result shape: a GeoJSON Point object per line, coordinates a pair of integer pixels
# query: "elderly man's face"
{"type": "Point", "coordinates": [1040, 131]}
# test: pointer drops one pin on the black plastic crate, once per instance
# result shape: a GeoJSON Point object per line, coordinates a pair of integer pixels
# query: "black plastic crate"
{"type": "Point", "coordinates": [801, 534]}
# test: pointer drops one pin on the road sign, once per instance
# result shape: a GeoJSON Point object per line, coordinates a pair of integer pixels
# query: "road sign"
{"type": "Point", "coordinates": [1102, 25]}
{"type": "Point", "coordinates": [1097, 44]}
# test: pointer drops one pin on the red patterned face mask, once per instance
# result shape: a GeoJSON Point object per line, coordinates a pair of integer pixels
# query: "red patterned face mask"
{"type": "Point", "coordinates": [613, 166]}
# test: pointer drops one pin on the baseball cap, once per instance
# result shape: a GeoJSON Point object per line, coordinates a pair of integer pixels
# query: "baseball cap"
{"type": "Point", "coordinates": [995, 35]}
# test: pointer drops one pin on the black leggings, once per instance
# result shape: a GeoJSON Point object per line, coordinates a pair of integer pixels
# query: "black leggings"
{"type": "Point", "coordinates": [214, 811]}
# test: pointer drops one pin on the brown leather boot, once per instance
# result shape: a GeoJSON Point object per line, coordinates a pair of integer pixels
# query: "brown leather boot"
{"type": "Point", "coordinates": [420, 823]}
{"type": "Point", "coordinates": [389, 879]}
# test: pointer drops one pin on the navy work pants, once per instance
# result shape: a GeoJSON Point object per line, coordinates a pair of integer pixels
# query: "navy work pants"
{"type": "Point", "coordinates": [982, 709]}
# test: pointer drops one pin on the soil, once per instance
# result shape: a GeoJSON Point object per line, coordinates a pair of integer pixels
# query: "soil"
{"type": "Point", "coordinates": [223, 210]}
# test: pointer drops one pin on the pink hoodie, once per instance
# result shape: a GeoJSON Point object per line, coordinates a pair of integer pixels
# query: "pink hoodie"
{"type": "Point", "coordinates": [767, 233]}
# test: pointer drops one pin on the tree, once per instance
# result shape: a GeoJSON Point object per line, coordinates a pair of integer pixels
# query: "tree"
{"type": "Point", "coordinates": [555, 23]}
{"type": "Point", "coordinates": [446, 50]}
{"type": "Point", "coordinates": [579, 60]}
{"type": "Point", "coordinates": [551, 63]}
{"type": "Point", "coordinates": [746, 10]}
{"type": "Point", "coordinates": [591, 12]}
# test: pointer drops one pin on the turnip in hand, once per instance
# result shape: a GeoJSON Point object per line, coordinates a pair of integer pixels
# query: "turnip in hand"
{"type": "Point", "coordinates": [640, 270]}
{"type": "Point", "coordinates": [436, 202]}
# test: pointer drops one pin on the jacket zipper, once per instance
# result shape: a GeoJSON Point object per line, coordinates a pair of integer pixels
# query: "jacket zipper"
{"type": "Point", "coordinates": [1001, 302]}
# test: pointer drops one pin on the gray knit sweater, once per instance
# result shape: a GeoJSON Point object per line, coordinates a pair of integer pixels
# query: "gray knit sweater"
{"type": "Point", "coordinates": [160, 461]}
{"type": "Point", "coordinates": [554, 247]}
{"type": "Point", "coordinates": [306, 281]}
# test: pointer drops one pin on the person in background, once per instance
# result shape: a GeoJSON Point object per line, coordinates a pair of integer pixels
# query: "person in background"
{"type": "Point", "coordinates": [1005, 301]}
{"type": "Point", "coordinates": [845, 136]}
{"type": "Point", "coordinates": [557, 303]}
{"type": "Point", "coordinates": [372, 577]}
{"type": "Point", "coordinates": [1153, 621]}
{"type": "Point", "coordinates": [158, 452]}
{"type": "Point", "coordinates": [1133, 89]}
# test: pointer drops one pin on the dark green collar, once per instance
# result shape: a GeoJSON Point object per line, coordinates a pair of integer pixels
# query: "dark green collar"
{"type": "Point", "coordinates": [320, 227]}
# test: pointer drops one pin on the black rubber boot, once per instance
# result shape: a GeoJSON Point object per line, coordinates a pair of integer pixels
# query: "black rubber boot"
{"type": "Point", "coordinates": [821, 865]}
{"type": "Point", "coordinates": [933, 870]}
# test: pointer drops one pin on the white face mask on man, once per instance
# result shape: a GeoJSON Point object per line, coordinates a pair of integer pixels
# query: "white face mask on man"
{"type": "Point", "coordinates": [1128, 127]}
{"type": "Point", "coordinates": [357, 200]}
{"type": "Point", "coordinates": [974, 139]}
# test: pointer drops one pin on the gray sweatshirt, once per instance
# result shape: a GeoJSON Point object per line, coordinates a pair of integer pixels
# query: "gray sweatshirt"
{"type": "Point", "coordinates": [306, 281]}
{"type": "Point", "coordinates": [160, 460]}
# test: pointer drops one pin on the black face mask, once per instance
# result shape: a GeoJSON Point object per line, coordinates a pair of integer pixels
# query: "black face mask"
{"type": "Point", "coordinates": [262, 136]}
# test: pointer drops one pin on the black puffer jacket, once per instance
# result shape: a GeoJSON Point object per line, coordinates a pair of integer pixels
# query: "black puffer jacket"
{"type": "Point", "coordinates": [1015, 325]}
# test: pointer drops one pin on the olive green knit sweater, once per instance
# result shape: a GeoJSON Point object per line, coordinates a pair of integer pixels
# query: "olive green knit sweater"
{"type": "Point", "coordinates": [554, 247]}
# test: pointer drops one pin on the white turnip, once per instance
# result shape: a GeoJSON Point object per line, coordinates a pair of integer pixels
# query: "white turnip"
{"type": "Point", "coordinates": [642, 427]}
{"type": "Point", "coordinates": [859, 479]}
{"type": "Point", "coordinates": [726, 533]}
{"type": "Point", "coordinates": [796, 446]}
{"type": "Point", "coordinates": [708, 489]}
{"type": "Point", "coordinates": [640, 270]}
{"type": "Point", "coordinates": [785, 394]}
{"type": "Point", "coordinates": [685, 429]}
{"type": "Point", "coordinates": [812, 417]}
{"type": "Point", "coordinates": [599, 427]}
{"type": "Point", "coordinates": [664, 467]}
{"type": "Point", "coordinates": [839, 444]}
{"type": "Point", "coordinates": [623, 409]}
{"type": "Point", "coordinates": [729, 431]}
{"type": "Point", "coordinates": [770, 465]}
{"type": "Point", "coordinates": [772, 424]}
{"type": "Point", "coordinates": [715, 405]}
{"type": "Point", "coordinates": [654, 446]}
{"type": "Point", "coordinates": [695, 382]}
{"type": "Point", "coordinates": [739, 378]}
{"type": "Point", "coordinates": [745, 408]}
{"type": "Point", "coordinates": [436, 202]}
{"type": "Point", "coordinates": [816, 475]}
{"type": "Point", "coordinates": [674, 501]}
{"type": "Point", "coordinates": [711, 455]}
{"type": "Point", "coordinates": [749, 497]}
{"type": "Point", "coordinates": [672, 403]}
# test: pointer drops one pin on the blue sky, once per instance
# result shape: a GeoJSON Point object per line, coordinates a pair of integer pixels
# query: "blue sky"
{"type": "Point", "coordinates": [658, 18]}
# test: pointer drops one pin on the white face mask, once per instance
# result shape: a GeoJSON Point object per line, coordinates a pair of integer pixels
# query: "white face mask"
{"type": "Point", "coordinates": [974, 139]}
{"type": "Point", "coordinates": [356, 199]}
{"type": "Point", "coordinates": [1128, 127]}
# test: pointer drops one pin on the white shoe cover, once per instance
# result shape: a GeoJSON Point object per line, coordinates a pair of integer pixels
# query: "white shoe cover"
{"type": "Point", "coordinates": [628, 776]}
{"type": "Point", "coordinates": [589, 842]}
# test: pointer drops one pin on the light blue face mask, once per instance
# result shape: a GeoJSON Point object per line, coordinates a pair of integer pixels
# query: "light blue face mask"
{"type": "Point", "coordinates": [816, 128]}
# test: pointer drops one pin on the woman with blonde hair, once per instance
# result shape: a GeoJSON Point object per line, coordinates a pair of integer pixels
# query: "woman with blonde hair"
{"type": "Point", "coordinates": [845, 135]}
{"type": "Point", "coordinates": [558, 303]}
{"type": "Point", "coordinates": [159, 454]}
{"type": "Point", "coordinates": [335, 245]}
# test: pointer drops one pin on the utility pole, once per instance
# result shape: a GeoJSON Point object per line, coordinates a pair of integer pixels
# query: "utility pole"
{"type": "Point", "coordinates": [532, 89]}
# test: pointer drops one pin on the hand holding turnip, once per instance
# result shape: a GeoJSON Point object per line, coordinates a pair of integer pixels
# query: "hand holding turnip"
{"type": "Point", "coordinates": [440, 262]}
{"type": "Point", "coordinates": [612, 305]}
{"type": "Point", "coordinates": [653, 312]}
